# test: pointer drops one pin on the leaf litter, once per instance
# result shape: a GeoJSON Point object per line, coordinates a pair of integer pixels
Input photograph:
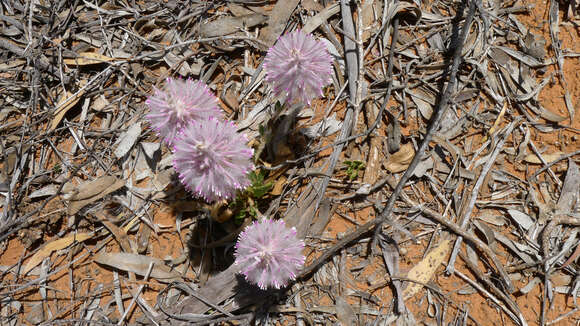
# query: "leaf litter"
{"type": "Point", "coordinates": [92, 216]}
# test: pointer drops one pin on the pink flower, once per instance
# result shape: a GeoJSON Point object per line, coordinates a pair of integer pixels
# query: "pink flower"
{"type": "Point", "coordinates": [298, 66]}
{"type": "Point", "coordinates": [212, 158]}
{"type": "Point", "coordinates": [269, 253]}
{"type": "Point", "coordinates": [180, 102]}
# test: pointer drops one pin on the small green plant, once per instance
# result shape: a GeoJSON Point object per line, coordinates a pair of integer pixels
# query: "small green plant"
{"type": "Point", "coordinates": [246, 202]}
{"type": "Point", "coordinates": [352, 168]}
{"type": "Point", "coordinates": [258, 188]}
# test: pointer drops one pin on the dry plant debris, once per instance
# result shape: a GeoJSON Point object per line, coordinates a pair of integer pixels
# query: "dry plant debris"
{"type": "Point", "coordinates": [435, 181]}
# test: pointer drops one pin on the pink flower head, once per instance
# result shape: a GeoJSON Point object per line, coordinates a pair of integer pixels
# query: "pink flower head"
{"type": "Point", "coordinates": [298, 66]}
{"type": "Point", "coordinates": [181, 102]}
{"type": "Point", "coordinates": [212, 158]}
{"type": "Point", "coordinates": [269, 253]}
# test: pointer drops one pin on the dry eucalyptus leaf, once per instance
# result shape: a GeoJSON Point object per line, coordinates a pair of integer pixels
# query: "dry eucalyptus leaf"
{"type": "Point", "coordinates": [546, 114]}
{"type": "Point", "coordinates": [311, 5]}
{"type": "Point", "coordinates": [523, 219]}
{"type": "Point", "coordinates": [13, 63]}
{"type": "Point", "coordinates": [87, 58]}
{"type": "Point", "coordinates": [127, 140]}
{"type": "Point", "coordinates": [8, 307]}
{"type": "Point", "coordinates": [4, 185]}
{"type": "Point", "coordinates": [67, 102]}
{"type": "Point", "coordinates": [277, 21]}
{"type": "Point", "coordinates": [336, 56]}
{"type": "Point", "coordinates": [36, 314]}
{"type": "Point", "coordinates": [570, 189]}
{"type": "Point", "coordinates": [228, 25]}
{"type": "Point", "coordinates": [139, 265]}
{"type": "Point", "coordinates": [523, 251]}
{"type": "Point", "coordinates": [399, 161]}
{"type": "Point", "coordinates": [51, 246]}
{"type": "Point", "coordinates": [92, 188]}
{"type": "Point", "coordinates": [173, 60]}
{"type": "Point", "coordinates": [531, 285]}
{"type": "Point", "coordinates": [496, 220]}
{"type": "Point", "coordinates": [279, 185]}
{"type": "Point", "coordinates": [321, 18]}
{"type": "Point", "coordinates": [344, 312]}
{"type": "Point", "coordinates": [238, 10]}
{"type": "Point", "coordinates": [92, 191]}
{"type": "Point", "coordinates": [424, 102]}
{"type": "Point", "coordinates": [48, 190]}
{"type": "Point", "coordinates": [323, 128]}
{"type": "Point", "coordinates": [498, 56]}
{"type": "Point", "coordinates": [522, 148]}
{"type": "Point", "coordinates": [487, 231]}
{"type": "Point", "coordinates": [161, 180]}
{"type": "Point", "coordinates": [535, 45]}
{"type": "Point", "coordinates": [534, 159]}
{"type": "Point", "coordinates": [11, 156]}
{"type": "Point", "coordinates": [522, 57]}
{"type": "Point", "coordinates": [406, 9]}
{"type": "Point", "coordinates": [93, 304]}
{"type": "Point", "coordinates": [99, 103]}
{"type": "Point", "coordinates": [218, 288]}
{"type": "Point", "coordinates": [151, 149]}
{"type": "Point", "coordinates": [119, 234]}
{"type": "Point", "coordinates": [393, 134]}
{"type": "Point", "coordinates": [426, 268]}
{"type": "Point", "coordinates": [11, 31]}
{"type": "Point", "coordinates": [423, 166]}
{"type": "Point", "coordinates": [374, 160]}
{"type": "Point", "coordinates": [370, 8]}
{"type": "Point", "coordinates": [569, 106]}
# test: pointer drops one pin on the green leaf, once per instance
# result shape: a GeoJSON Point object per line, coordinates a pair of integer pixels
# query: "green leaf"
{"type": "Point", "coordinates": [243, 204]}
{"type": "Point", "coordinates": [352, 168]}
{"type": "Point", "coordinates": [253, 212]}
{"type": "Point", "coordinates": [261, 191]}
{"type": "Point", "coordinates": [278, 106]}
{"type": "Point", "coordinates": [240, 216]}
{"type": "Point", "coordinates": [258, 188]}
{"type": "Point", "coordinates": [256, 178]}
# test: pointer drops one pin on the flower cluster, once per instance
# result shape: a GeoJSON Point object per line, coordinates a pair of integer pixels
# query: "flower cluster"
{"type": "Point", "coordinates": [181, 102]}
{"type": "Point", "coordinates": [211, 157]}
{"type": "Point", "coordinates": [269, 254]}
{"type": "Point", "coordinates": [298, 66]}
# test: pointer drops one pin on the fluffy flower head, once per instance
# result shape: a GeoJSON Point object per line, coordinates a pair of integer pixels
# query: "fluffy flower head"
{"type": "Point", "coordinates": [180, 102]}
{"type": "Point", "coordinates": [269, 253]}
{"type": "Point", "coordinates": [298, 66]}
{"type": "Point", "coordinates": [212, 158]}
